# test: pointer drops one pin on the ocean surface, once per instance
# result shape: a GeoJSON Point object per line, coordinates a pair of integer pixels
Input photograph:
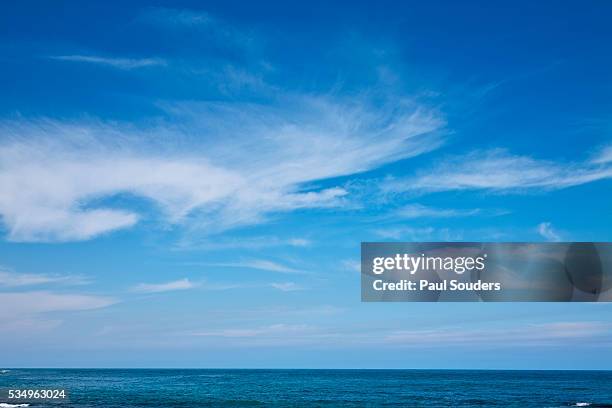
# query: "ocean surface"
{"type": "Point", "coordinates": [301, 388]}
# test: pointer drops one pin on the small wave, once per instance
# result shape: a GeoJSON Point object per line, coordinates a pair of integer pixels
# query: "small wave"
{"type": "Point", "coordinates": [5, 405]}
{"type": "Point", "coordinates": [582, 404]}
{"type": "Point", "coordinates": [4, 371]}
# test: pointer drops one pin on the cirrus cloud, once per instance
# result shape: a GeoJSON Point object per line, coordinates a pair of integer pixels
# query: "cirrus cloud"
{"type": "Point", "coordinates": [498, 170]}
{"type": "Point", "coordinates": [114, 62]}
{"type": "Point", "coordinates": [216, 165]}
{"type": "Point", "coordinates": [181, 284]}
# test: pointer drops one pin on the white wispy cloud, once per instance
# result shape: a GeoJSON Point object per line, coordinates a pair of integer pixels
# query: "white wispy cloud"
{"type": "Point", "coordinates": [299, 242]}
{"type": "Point", "coordinates": [352, 265]}
{"type": "Point", "coordinates": [22, 303]}
{"type": "Point", "coordinates": [13, 279]}
{"type": "Point", "coordinates": [519, 335]}
{"type": "Point", "coordinates": [217, 286]}
{"type": "Point", "coordinates": [499, 170]}
{"type": "Point", "coordinates": [286, 286]}
{"type": "Point", "coordinates": [27, 310]}
{"type": "Point", "coordinates": [271, 331]}
{"type": "Point", "coordinates": [114, 62]}
{"type": "Point", "coordinates": [419, 234]}
{"type": "Point", "coordinates": [176, 17]}
{"type": "Point", "coordinates": [546, 230]}
{"type": "Point", "coordinates": [181, 284]}
{"type": "Point", "coordinates": [260, 264]}
{"type": "Point", "coordinates": [258, 242]}
{"type": "Point", "coordinates": [527, 335]}
{"type": "Point", "coordinates": [73, 224]}
{"type": "Point", "coordinates": [53, 173]}
{"type": "Point", "coordinates": [604, 156]}
{"type": "Point", "coordinates": [208, 27]}
{"type": "Point", "coordinates": [198, 29]}
{"type": "Point", "coordinates": [421, 211]}
{"type": "Point", "coordinates": [223, 286]}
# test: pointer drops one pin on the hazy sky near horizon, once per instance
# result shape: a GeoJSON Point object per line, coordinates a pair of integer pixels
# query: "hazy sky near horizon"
{"type": "Point", "coordinates": [186, 184]}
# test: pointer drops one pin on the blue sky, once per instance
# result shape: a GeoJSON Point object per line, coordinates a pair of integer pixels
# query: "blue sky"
{"type": "Point", "coordinates": [187, 184]}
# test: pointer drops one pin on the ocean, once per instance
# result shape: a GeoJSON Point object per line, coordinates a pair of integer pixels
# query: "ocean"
{"type": "Point", "coordinates": [161, 388]}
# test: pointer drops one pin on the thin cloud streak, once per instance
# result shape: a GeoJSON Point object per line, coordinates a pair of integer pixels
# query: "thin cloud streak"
{"type": "Point", "coordinates": [252, 243]}
{"type": "Point", "coordinates": [498, 170]}
{"type": "Point", "coordinates": [207, 27]}
{"type": "Point", "coordinates": [287, 286]}
{"type": "Point", "coordinates": [181, 284]}
{"type": "Point", "coordinates": [419, 234]}
{"type": "Point", "coordinates": [176, 17]}
{"type": "Point", "coordinates": [11, 279]}
{"type": "Point", "coordinates": [119, 63]}
{"type": "Point", "coordinates": [27, 310]}
{"type": "Point", "coordinates": [527, 335]}
{"type": "Point", "coordinates": [421, 211]}
{"type": "Point", "coordinates": [271, 330]}
{"type": "Point", "coordinates": [260, 264]}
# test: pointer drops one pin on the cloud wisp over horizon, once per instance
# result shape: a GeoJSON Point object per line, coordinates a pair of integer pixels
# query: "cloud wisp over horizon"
{"type": "Point", "coordinates": [32, 310]}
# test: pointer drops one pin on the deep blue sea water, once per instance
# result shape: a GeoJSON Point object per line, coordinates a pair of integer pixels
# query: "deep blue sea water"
{"type": "Point", "coordinates": [329, 388]}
